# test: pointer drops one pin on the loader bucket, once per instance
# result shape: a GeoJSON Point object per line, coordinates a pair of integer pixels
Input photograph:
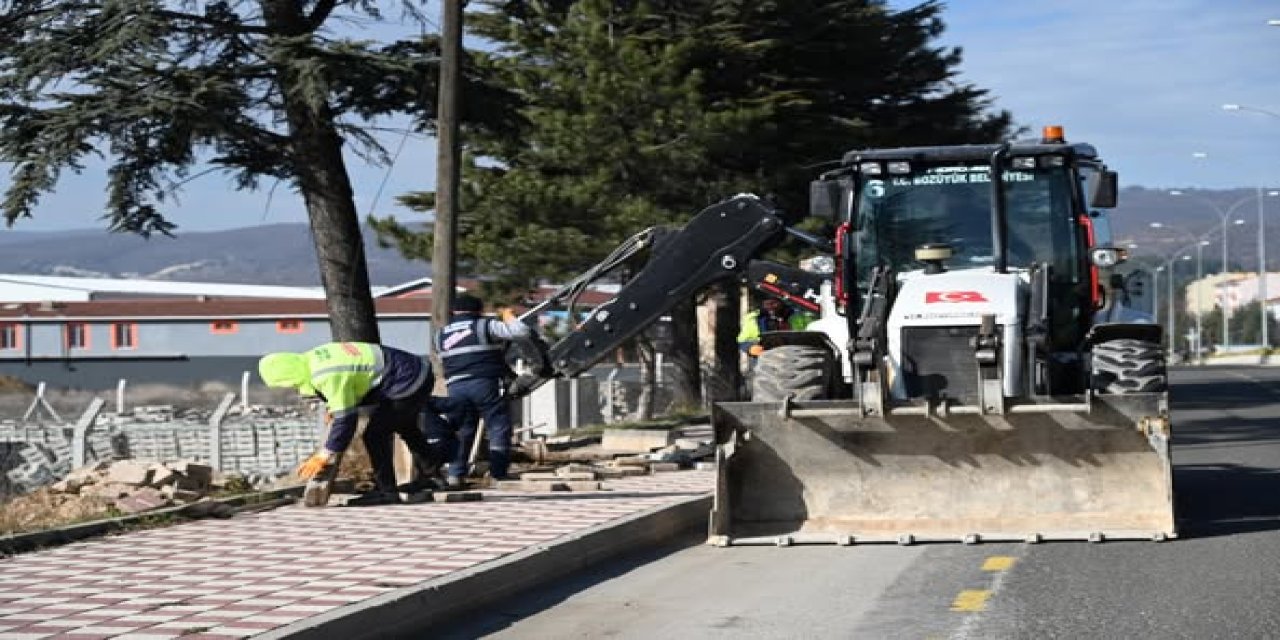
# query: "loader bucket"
{"type": "Point", "coordinates": [820, 472]}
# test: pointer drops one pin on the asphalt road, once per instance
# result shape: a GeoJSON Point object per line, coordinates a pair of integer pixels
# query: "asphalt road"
{"type": "Point", "coordinates": [1220, 580]}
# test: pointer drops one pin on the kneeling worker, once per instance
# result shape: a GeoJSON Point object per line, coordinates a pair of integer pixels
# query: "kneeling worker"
{"type": "Point", "coordinates": [347, 375]}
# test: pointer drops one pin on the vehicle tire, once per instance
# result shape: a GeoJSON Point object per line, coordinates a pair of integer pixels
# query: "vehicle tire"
{"type": "Point", "coordinates": [800, 371]}
{"type": "Point", "coordinates": [1127, 366]}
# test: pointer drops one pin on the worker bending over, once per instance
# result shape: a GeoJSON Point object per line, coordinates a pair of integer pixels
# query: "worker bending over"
{"type": "Point", "coordinates": [348, 375]}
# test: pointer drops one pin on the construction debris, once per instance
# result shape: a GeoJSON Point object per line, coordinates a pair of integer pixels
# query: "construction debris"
{"type": "Point", "coordinates": [134, 486]}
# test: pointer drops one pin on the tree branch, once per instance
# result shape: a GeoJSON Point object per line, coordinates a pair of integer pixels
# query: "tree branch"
{"type": "Point", "coordinates": [237, 27]}
{"type": "Point", "coordinates": [320, 14]}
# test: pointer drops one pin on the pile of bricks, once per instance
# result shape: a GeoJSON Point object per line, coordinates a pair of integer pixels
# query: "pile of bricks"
{"type": "Point", "coordinates": [660, 457]}
{"type": "Point", "coordinates": [134, 486]}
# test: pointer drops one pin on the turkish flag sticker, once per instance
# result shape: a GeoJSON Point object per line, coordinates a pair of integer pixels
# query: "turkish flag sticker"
{"type": "Point", "coordinates": [954, 296]}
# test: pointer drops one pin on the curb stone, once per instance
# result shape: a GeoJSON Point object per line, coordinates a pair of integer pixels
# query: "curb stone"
{"type": "Point", "coordinates": [408, 612]}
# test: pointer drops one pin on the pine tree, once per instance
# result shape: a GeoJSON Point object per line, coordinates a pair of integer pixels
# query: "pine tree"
{"type": "Point", "coordinates": [639, 113]}
{"type": "Point", "coordinates": [259, 90]}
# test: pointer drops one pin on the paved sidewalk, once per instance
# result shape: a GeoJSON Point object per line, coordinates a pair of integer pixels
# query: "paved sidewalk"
{"type": "Point", "coordinates": [257, 572]}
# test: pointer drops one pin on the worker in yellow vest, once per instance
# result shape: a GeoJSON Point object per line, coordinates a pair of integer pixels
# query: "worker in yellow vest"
{"type": "Point", "coordinates": [772, 315]}
{"type": "Point", "coordinates": [348, 375]}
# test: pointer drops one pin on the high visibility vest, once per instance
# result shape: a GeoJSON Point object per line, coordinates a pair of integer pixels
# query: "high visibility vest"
{"type": "Point", "coordinates": [468, 351]}
{"type": "Point", "coordinates": [753, 325]}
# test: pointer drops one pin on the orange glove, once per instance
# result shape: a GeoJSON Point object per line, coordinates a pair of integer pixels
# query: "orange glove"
{"type": "Point", "coordinates": [315, 464]}
{"type": "Point", "coordinates": [755, 350]}
{"type": "Point", "coordinates": [507, 315]}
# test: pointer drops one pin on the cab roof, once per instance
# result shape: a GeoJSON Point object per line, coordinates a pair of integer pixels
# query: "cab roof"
{"type": "Point", "coordinates": [971, 152]}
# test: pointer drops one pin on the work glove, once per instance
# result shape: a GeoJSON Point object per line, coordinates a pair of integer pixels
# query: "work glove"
{"type": "Point", "coordinates": [315, 464]}
{"type": "Point", "coordinates": [755, 350]}
{"type": "Point", "coordinates": [507, 315]}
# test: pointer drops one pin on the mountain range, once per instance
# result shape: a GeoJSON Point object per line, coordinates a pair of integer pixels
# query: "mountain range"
{"type": "Point", "coordinates": [279, 254]}
{"type": "Point", "coordinates": [283, 254]}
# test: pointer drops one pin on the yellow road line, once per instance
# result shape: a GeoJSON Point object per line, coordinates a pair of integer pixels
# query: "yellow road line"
{"type": "Point", "coordinates": [971, 600]}
{"type": "Point", "coordinates": [999, 563]}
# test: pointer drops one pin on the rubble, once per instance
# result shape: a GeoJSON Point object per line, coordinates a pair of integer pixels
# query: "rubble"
{"type": "Point", "coordinates": [134, 486]}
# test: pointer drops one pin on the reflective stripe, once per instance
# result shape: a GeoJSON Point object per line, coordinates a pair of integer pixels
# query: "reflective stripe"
{"type": "Point", "coordinates": [341, 368]}
{"type": "Point", "coordinates": [379, 366]}
{"type": "Point", "coordinates": [472, 349]}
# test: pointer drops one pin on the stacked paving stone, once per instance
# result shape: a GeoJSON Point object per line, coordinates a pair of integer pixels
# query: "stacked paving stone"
{"type": "Point", "coordinates": [34, 455]}
{"type": "Point", "coordinates": [261, 443]}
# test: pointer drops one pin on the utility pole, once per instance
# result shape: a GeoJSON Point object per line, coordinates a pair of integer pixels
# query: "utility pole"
{"type": "Point", "coordinates": [444, 277]}
{"type": "Point", "coordinates": [1262, 270]}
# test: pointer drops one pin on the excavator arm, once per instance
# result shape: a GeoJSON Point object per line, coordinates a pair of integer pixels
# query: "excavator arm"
{"type": "Point", "coordinates": [718, 243]}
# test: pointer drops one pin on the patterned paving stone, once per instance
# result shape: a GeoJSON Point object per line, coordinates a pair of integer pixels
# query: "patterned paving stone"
{"type": "Point", "coordinates": [243, 576]}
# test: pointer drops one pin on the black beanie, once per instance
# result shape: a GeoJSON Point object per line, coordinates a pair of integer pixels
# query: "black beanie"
{"type": "Point", "coordinates": [466, 303]}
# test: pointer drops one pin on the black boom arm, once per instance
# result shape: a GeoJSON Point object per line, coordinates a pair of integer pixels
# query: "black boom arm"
{"type": "Point", "coordinates": [716, 244]}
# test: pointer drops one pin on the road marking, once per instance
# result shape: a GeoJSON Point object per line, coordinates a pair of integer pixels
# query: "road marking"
{"type": "Point", "coordinates": [971, 600]}
{"type": "Point", "coordinates": [999, 563]}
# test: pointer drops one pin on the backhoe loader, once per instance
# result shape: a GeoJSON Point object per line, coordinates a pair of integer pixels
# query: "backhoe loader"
{"type": "Point", "coordinates": [976, 375]}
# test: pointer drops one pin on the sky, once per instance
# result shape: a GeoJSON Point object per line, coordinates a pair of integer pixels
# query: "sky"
{"type": "Point", "coordinates": [1143, 80]}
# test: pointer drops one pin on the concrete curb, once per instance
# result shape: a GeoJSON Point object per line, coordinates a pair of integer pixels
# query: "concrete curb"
{"type": "Point", "coordinates": [24, 542]}
{"type": "Point", "coordinates": [407, 612]}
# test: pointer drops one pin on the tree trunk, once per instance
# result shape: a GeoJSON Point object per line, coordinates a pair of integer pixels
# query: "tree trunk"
{"type": "Point", "coordinates": [687, 382]}
{"type": "Point", "coordinates": [648, 378]}
{"type": "Point", "coordinates": [321, 173]}
{"type": "Point", "coordinates": [725, 373]}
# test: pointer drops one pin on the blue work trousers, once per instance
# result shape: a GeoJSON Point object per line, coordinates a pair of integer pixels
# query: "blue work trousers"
{"type": "Point", "coordinates": [400, 417]}
{"type": "Point", "coordinates": [469, 400]}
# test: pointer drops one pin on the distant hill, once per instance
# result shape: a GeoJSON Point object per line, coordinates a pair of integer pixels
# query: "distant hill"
{"type": "Point", "coordinates": [281, 254]}
{"type": "Point", "coordinates": [1189, 215]}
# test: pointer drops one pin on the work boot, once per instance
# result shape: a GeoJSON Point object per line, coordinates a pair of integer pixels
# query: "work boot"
{"type": "Point", "coordinates": [419, 485]}
{"type": "Point", "coordinates": [373, 499]}
{"type": "Point", "coordinates": [453, 483]}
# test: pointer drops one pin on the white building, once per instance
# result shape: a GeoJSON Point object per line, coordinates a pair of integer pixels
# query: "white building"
{"type": "Point", "coordinates": [29, 288]}
{"type": "Point", "coordinates": [1242, 289]}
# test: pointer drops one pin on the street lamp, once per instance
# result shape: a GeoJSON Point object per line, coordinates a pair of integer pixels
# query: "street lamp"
{"type": "Point", "coordinates": [1172, 263]}
{"type": "Point", "coordinates": [1230, 106]}
{"type": "Point", "coordinates": [1223, 215]}
{"type": "Point", "coordinates": [1199, 243]}
{"type": "Point", "coordinates": [1199, 302]}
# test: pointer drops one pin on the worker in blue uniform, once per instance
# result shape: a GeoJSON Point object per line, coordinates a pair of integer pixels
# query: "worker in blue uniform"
{"type": "Point", "coordinates": [472, 350]}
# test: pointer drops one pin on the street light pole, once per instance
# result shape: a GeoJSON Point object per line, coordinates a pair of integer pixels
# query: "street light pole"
{"type": "Point", "coordinates": [1199, 243]}
{"type": "Point", "coordinates": [1199, 306]}
{"type": "Point", "coordinates": [1155, 293]}
{"type": "Point", "coordinates": [1262, 229]}
{"type": "Point", "coordinates": [1262, 272]}
{"type": "Point", "coordinates": [1225, 216]}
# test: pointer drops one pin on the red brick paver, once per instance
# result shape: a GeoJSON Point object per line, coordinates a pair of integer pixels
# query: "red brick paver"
{"type": "Point", "coordinates": [243, 576]}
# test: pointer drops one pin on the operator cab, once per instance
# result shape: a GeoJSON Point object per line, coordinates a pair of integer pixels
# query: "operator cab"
{"type": "Point", "coordinates": [1010, 208]}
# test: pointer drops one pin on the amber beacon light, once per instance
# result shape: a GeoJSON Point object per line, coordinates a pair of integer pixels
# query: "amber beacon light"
{"type": "Point", "coordinates": [1053, 134]}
